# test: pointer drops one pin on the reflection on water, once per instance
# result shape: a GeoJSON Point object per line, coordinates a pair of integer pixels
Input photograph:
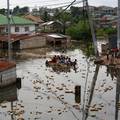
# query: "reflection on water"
{"type": "Point", "coordinates": [115, 73]}
{"type": "Point", "coordinates": [90, 96]}
{"type": "Point", "coordinates": [47, 95]}
{"type": "Point", "coordinates": [8, 95]}
{"type": "Point", "coordinates": [77, 94]}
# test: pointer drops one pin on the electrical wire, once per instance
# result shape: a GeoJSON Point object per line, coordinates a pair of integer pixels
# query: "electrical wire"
{"type": "Point", "coordinates": [55, 5]}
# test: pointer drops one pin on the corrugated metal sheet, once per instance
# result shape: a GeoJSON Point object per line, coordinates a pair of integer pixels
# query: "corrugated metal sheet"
{"type": "Point", "coordinates": [57, 36]}
{"type": "Point", "coordinates": [4, 65]}
{"type": "Point", "coordinates": [8, 77]}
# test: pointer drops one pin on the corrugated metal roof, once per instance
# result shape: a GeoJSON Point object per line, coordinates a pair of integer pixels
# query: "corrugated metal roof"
{"type": "Point", "coordinates": [5, 65]}
{"type": "Point", "coordinates": [33, 18]}
{"type": "Point", "coordinates": [57, 35]}
{"type": "Point", "coordinates": [51, 22]}
{"type": "Point", "coordinates": [17, 37]}
{"type": "Point", "coordinates": [15, 20]}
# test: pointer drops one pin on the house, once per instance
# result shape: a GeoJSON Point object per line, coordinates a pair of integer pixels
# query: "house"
{"type": "Point", "coordinates": [35, 19]}
{"type": "Point", "coordinates": [105, 10]}
{"type": "Point", "coordinates": [23, 41]}
{"type": "Point", "coordinates": [19, 25]}
{"type": "Point", "coordinates": [106, 21]}
{"type": "Point", "coordinates": [52, 26]}
{"type": "Point", "coordinates": [28, 42]}
{"type": "Point", "coordinates": [57, 39]}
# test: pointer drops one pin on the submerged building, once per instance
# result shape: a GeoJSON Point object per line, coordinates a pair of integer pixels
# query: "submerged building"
{"type": "Point", "coordinates": [7, 73]}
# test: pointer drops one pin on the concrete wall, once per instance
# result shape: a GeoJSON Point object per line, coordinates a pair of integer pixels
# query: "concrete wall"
{"type": "Point", "coordinates": [22, 29]}
{"type": "Point", "coordinates": [33, 42]}
{"type": "Point", "coordinates": [8, 77]}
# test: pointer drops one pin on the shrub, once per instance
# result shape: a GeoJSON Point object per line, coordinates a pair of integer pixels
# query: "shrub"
{"type": "Point", "coordinates": [80, 31]}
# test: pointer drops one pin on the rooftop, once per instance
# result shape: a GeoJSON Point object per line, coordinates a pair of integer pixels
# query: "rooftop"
{"type": "Point", "coordinates": [15, 20]}
{"type": "Point", "coordinates": [5, 65]}
{"type": "Point", "coordinates": [33, 18]}
{"type": "Point", "coordinates": [17, 37]}
{"type": "Point", "coordinates": [57, 35]}
{"type": "Point", "coordinates": [51, 22]}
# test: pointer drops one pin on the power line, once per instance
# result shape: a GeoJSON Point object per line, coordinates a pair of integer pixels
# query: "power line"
{"type": "Point", "coordinates": [67, 5]}
{"type": "Point", "coordinates": [55, 5]}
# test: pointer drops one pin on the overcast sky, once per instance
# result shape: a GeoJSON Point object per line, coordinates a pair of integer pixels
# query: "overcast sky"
{"type": "Point", "coordinates": [36, 3]}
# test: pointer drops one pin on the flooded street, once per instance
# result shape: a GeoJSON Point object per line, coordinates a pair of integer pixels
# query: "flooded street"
{"type": "Point", "coordinates": [49, 94]}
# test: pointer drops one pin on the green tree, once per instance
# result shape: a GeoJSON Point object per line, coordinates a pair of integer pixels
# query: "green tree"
{"type": "Point", "coordinates": [3, 11]}
{"type": "Point", "coordinates": [110, 30]}
{"type": "Point", "coordinates": [80, 31]}
{"type": "Point", "coordinates": [24, 10]}
{"type": "Point", "coordinates": [20, 11]}
{"type": "Point", "coordinates": [46, 16]}
{"type": "Point", "coordinates": [106, 31]}
{"type": "Point", "coordinates": [76, 14]}
{"type": "Point", "coordinates": [65, 19]}
{"type": "Point", "coordinates": [16, 10]}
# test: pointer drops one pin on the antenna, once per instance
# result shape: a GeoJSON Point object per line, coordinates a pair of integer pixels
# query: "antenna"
{"type": "Point", "coordinates": [9, 30]}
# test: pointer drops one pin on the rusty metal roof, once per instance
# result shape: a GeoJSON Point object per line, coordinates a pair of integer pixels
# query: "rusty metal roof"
{"type": "Point", "coordinates": [15, 37]}
{"type": "Point", "coordinates": [5, 65]}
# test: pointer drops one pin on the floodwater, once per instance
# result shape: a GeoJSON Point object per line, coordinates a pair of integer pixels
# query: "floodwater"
{"type": "Point", "coordinates": [49, 94]}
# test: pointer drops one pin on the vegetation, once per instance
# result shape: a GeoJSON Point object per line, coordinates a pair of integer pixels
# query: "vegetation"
{"type": "Point", "coordinates": [80, 31]}
{"type": "Point", "coordinates": [20, 11]}
{"type": "Point", "coordinates": [16, 11]}
{"type": "Point", "coordinates": [3, 11]}
{"type": "Point", "coordinates": [106, 31]}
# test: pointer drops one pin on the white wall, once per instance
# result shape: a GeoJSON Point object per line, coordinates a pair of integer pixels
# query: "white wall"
{"type": "Point", "coordinates": [22, 29]}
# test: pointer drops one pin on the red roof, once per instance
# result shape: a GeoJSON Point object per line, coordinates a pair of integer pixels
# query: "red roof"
{"type": "Point", "coordinates": [15, 37]}
{"type": "Point", "coordinates": [5, 65]}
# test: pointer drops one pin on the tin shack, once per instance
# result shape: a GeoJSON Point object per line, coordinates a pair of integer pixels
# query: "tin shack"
{"type": "Point", "coordinates": [57, 39]}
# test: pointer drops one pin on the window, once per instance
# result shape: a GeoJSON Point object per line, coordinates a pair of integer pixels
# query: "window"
{"type": "Point", "coordinates": [16, 29]}
{"type": "Point", "coordinates": [26, 29]}
{"type": "Point", "coordinates": [6, 30]}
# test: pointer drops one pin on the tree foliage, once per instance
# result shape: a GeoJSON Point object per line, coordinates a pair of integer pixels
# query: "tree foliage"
{"type": "Point", "coordinates": [20, 11]}
{"type": "Point", "coordinates": [76, 14]}
{"type": "Point", "coordinates": [64, 19]}
{"type": "Point", "coordinates": [46, 16]}
{"type": "Point", "coordinates": [106, 31]}
{"type": "Point", "coordinates": [80, 31]}
{"type": "Point", "coordinates": [3, 11]}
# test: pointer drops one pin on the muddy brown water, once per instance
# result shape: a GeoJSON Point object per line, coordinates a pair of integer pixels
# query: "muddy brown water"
{"type": "Point", "coordinates": [47, 94]}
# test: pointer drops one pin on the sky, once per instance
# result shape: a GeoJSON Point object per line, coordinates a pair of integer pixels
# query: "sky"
{"type": "Point", "coordinates": [37, 3]}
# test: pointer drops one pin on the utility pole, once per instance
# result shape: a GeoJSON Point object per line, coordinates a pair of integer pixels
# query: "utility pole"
{"type": "Point", "coordinates": [118, 25]}
{"type": "Point", "coordinates": [9, 30]}
{"type": "Point", "coordinates": [85, 4]}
